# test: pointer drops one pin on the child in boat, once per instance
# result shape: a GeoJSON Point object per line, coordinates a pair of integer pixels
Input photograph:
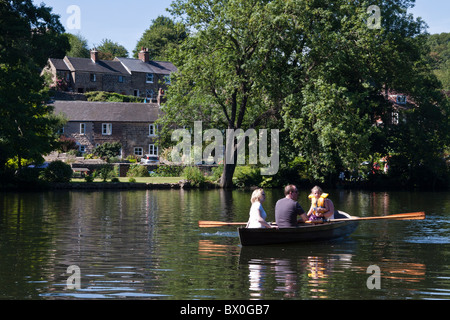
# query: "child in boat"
{"type": "Point", "coordinates": [321, 207]}
{"type": "Point", "coordinates": [257, 214]}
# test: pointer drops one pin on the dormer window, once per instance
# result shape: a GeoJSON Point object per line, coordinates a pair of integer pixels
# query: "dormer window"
{"type": "Point", "coordinates": [401, 99]}
{"type": "Point", "coordinates": [93, 77]}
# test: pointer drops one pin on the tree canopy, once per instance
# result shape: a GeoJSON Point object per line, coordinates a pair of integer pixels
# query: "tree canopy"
{"type": "Point", "coordinates": [317, 70]}
{"type": "Point", "coordinates": [28, 36]}
{"type": "Point", "coordinates": [162, 35]}
{"type": "Point", "coordinates": [108, 50]}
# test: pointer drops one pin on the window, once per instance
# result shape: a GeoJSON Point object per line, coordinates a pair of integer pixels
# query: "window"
{"type": "Point", "coordinates": [106, 129]}
{"type": "Point", "coordinates": [120, 79]}
{"type": "Point", "coordinates": [138, 151]}
{"type": "Point", "coordinates": [394, 118]}
{"type": "Point", "coordinates": [82, 149]}
{"type": "Point", "coordinates": [152, 150]}
{"type": "Point", "coordinates": [150, 94]}
{"type": "Point", "coordinates": [93, 77]}
{"type": "Point", "coordinates": [401, 99]}
{"type": "Point", "coordinates": [151, 130]}
{"type": "Point", "coordinates": [82, 128]}
{"type": "Point", "coordinates": [136, 92]}
{"type": "Point", "coordinates": [149, 78]}
{"type": "Point", "coordinates": [167, 79]}
{"type": "Point", "coordinates": [61, 131]}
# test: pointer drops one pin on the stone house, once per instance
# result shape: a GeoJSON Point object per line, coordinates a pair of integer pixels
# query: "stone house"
{"type": "Point", "coordinates": [139, 77]}
{"type": "Point", "coordinates": [94, 123]}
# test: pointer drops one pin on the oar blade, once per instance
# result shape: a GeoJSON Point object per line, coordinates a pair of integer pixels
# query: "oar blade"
{"type": "Point", "coordinates": [212, 224]}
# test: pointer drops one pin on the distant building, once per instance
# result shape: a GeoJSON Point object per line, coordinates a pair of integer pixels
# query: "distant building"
{"type": "Point", "coordinates": [399, 102]}
{"type": "Point", "coordinates": [94, 123]}
{"type": "Point", "coordinates": [138, 77]}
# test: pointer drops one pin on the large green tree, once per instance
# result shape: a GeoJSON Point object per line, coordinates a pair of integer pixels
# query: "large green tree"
{"type": "Point", "coordinates": [321, 68]}
{"type": "Point", "coordinates": [78, 46]}
{"type": "Point", "coordinates": [29, 35]}
{"type": "Point", "coordinates": [162, 35]}
{"type": "Point", "coordinates": [108, 50]}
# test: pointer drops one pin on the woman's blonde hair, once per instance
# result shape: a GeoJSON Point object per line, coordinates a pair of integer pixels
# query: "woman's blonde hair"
{"type": "Point", "coordinates": [257, 195]}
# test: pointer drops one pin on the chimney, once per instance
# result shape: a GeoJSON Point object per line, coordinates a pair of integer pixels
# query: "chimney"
{"type": "Point", "coordinates": [144, 55]}
{"type": "Point", "coordinates": [94, 55]}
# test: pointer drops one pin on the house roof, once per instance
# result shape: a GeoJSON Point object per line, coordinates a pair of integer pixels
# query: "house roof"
{"type": "Point", "coordinates": [119, 66]}
{"type": "Point", "coordinates": [59, 64]}
{"type": "Point", "coordinates": [102, 66]}
{"type": "Point", "coordinates": [158, 67]}
{"type": "Point", "coordinates": [107, 111]}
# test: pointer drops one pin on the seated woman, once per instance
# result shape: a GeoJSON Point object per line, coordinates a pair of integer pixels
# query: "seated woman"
{"type": "Point", "coordinates": [258, 216]}
{"type": "Point", "coordinates": [321, 207]}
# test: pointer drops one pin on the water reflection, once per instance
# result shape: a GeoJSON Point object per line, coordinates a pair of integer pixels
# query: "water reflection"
{"type": "Point", "coordinates": [147, 245]}
{"type": "Point", "coordinates": [295, 270]}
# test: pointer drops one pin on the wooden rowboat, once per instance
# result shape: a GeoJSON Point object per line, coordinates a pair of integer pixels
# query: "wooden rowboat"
{"type": "Point", "coordinates": [304, 233]}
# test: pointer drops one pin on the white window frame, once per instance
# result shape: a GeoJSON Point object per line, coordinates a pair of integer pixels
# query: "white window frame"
{"type": "Point", "coordinates": [401, 99]}
{"type": "Point", "coordinates": [106, 129]}
{"type": "Point", "coordinates": [152, 149]}
{"type": "Point", "coordinates": [83, 128]}
{"type": "Point", "coordinates": [152, 130]}
{"type": "Point", "coordinates": [138, 151]}
{"type": "Point", "coordinates": [149, 77]}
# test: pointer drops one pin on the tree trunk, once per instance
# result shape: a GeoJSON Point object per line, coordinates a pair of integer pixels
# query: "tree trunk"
{"type": "Point", "coordinates": [226, 180]}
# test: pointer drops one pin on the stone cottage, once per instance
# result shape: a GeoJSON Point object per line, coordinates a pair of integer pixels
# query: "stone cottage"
{"type": "Point", "coordinates": [139, 77]}
{"type": "Point", "coordinates": [94, 123]}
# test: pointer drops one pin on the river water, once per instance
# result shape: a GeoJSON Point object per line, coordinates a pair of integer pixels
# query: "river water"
{"type": "Point", "coordinates": [147, 245]}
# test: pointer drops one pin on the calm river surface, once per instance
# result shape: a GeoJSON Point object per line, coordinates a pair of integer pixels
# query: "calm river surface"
{"type": "Point", "coordinates": [147, 245]}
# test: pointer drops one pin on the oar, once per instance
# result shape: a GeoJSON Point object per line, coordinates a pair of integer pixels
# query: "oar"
{"type": "Point", "coordinates": [209, 224]}
{"type": "Point", "coordinates": [400, 216]}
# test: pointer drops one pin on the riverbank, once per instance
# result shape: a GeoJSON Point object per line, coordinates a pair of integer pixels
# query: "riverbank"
{"type": "Point", "coordinates": [140, 184]}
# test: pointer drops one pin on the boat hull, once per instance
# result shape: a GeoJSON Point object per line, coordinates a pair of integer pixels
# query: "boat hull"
{"type": "Point", "coordinates": [304, 233]}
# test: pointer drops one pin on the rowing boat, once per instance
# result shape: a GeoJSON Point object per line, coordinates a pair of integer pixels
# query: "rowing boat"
{"type": "Point", "coordinates": [304, 233]}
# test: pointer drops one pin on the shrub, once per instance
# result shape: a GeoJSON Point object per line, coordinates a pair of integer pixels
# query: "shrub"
{"type": "Point", "coordinates": [169, 171]}
{"type": "Point", "coordinates": [105, 172]}
{"type": "Point", "coordinates": [108, 150]}
{"type": "Point", "coordinates": [136, 170]}
{"type": "Point", "coordinates": [194, 175]}
{"type": "Point", "coordinates": [245, 176]}
{"type": "Point", "coordinates": [57, 171]}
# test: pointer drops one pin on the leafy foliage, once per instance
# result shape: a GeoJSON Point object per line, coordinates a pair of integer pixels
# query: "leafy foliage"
{"type": "Point", "coordinates": [108, 150]}
{"type": "Point", "coordinates": [27, 128]}
{"type": "Point", "coordinates": [162, 35]}
{"type": "Point", "coordinates": [57, 171]}
{"type": "Point", "coordinates": [311, 68]}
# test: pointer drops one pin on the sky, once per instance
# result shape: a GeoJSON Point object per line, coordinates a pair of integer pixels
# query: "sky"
{"type": "Point", "coordinates": [124, 21]}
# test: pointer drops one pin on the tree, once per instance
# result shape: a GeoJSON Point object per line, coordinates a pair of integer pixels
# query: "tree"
{"type": "Point", "coordinates": [162, 35]}
{"type": "Point", "coordinates": [78, 46]}
{"type": "Point", "coordinates": [316, 69]}
{"type": "Point", "coordinates": [108, 50]}
{"type": "Point", "coordinates": [28, 36]}
{"type": "Point", "coordinates": [440, 57]}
